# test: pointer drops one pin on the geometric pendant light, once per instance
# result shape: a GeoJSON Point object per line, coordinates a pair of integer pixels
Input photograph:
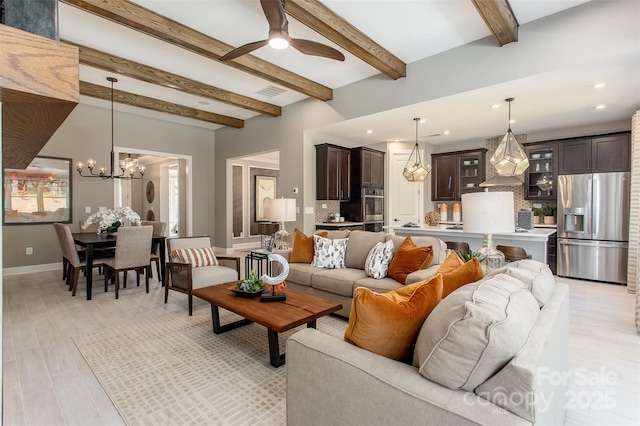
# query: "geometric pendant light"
{"type": "Point", "coordinates": [414, 170]}
{"type": "Point", "coordinates": [510, 158]}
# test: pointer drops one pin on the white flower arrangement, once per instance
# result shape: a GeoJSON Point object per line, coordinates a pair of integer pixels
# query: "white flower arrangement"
{"type": "Point", "coordinates": [111, 219]}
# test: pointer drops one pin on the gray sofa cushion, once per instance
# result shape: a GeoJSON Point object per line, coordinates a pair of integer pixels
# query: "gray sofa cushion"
{"type": "Point", "coordinates": [475, 331]}
{"type": "Point", "coordinates": [524, 384]}
{"type": "Point", "coordinates": [333, 234]}
{"type": "Point", "coordinates": [422, 274]}
{"type": "Point", "coordinates": [359, 245]}
{"type": "Point", "coordinates": [338, 281]}
{"type": "Point", "coordinates": [300, 273]}
{"type": "Point", "coordinates": [535, 275]}
{"type": "Point", "coordinates": [439, 246]}
{"type": "Point", "coordinates": [383, 285]}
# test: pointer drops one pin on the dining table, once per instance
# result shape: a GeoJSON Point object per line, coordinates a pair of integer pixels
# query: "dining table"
{"type": "Point", "coordinates": [91, 241]}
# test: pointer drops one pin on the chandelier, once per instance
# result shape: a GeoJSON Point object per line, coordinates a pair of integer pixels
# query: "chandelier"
{"type": "Point", "coordinates": [414, 170]}
{"type": "Point", "coordinates": [129, 168]}
{"type": "Point", "coordinates": [510, 158]}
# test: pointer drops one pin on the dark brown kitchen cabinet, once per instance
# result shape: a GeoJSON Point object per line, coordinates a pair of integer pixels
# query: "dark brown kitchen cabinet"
{"type": "Point", "coordinates": [368, 164]}
{"type": "Point", "coordinates": [611, 153]}
{"type": "Point", "coordinates": [444, 177]}
{"type": "Point", "coordinates": [333, 172]}
{"type": "Point", "coordinates": [597, 154]}
{"type": "Point", "coordinates": [541, 178]}
{"type": "Point", "coordinates": [456, 173]}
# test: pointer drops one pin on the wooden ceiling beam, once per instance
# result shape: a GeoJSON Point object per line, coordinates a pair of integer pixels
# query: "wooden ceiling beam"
{"type": "Point", "coordinates": [145, 21]}
{"type": "Point", "coordinates": [500, 19]}
{"type": "Point", "coordinates": [102, 92]}
{"type": "Point", "coordinates": [327, 23]}
{"type": "Point", "coordinates": [97, 59]}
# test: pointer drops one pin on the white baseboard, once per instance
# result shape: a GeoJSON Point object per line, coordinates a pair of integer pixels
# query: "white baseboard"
{"type": "Point", "coordinates": [247, 246]}
{"type": "Point", "coordinates": [19, 270]}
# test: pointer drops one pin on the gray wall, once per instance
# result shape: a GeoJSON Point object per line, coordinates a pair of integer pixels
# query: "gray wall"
{"type": "Point", "coordinates": [86, 134]}
{"type": "Point", "coordinates": [544, 45]}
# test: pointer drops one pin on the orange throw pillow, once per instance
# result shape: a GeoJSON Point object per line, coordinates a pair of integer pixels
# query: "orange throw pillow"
{"type": "Point", "coordinates": [302, 251]}
{"type": "Point", "coordinates": [470, 272]}
{"type": "Point", "coordinates": [388, 324]}
{"type": "Point", "coordinates": [451, 263]}
{"type": "Point", "coordinates": [409, 258]}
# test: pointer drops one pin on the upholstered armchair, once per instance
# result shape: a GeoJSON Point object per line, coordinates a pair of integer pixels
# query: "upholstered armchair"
{"type": "Point", "coordinates": [193, 265]}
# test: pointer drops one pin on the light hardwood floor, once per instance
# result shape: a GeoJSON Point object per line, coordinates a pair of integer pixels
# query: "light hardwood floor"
{"type": "Point", "coordinates": [47, 382]}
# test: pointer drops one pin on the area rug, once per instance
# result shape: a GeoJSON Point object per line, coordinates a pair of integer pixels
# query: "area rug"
{"type": "Point", "coordinates": [173, 370]}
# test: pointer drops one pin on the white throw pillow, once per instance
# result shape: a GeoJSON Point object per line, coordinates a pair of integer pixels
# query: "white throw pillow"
{"type": "Point", "coordinates": [378, 259]}
{"type": "Point", "coordinates": [329, 253]}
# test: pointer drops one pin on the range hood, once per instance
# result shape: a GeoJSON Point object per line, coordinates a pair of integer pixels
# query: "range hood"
{"type": "Point", "coordinates": [501, 181]}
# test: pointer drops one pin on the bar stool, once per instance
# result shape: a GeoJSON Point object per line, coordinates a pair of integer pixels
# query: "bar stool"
{"type": "Point", "coordinates": [454, 245]}
{"type": "Point", "coordinates": [513, 253]}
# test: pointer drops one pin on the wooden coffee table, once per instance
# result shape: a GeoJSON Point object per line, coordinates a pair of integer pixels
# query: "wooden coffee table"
{"type": "Point", "coordinates": [298, 309]}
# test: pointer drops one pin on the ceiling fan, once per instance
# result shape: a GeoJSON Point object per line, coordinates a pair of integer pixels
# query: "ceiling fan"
{"type": "Point", "coordinates": [279, 36]}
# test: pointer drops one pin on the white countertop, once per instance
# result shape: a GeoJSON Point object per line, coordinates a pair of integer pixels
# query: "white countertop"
{"type": "Point", "coordinates": [533, 234]}
{"type": "Point", "coordinates": [340, 224]}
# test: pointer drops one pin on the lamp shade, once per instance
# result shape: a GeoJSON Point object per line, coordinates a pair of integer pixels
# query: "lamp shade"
{"type": "Point", "coordinates": [282, 210]}
{"type": "Point", "coordinates": [488, 212]}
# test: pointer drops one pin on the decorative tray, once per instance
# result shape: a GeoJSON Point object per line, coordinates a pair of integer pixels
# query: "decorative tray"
{"type": "Point", "coordinates": [243, 293]}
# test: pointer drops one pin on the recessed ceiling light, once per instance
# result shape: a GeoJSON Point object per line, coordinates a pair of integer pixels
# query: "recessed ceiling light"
{"type": "Point", "coordinates": [396, 140]}
{"type": "Point", "coordinates": [424, 120]}
{"type": "Point", "coordinates": [203, 103]}
{"type": "Point", "coordinates": [368, 131]}
{"type": "Point", "coordinates": [446, 132]}
{"type": "Point", "coordinates": [601, 106]}
{"type": "Point", "coordinates": [513, 120]}
{"type": "Point", "coordinates": [598, 85]}
{"type": "Point", "coordinates": [495, 106]}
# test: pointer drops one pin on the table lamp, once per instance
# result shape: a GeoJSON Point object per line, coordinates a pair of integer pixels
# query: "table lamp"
{"type": "Point", "coordinates": [282, 210]}
{"type": "Point", "coordinates": [488, 213]}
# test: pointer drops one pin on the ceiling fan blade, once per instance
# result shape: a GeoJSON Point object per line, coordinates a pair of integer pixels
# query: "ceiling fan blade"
{"type": "Point", "coordinates": [274, 11]}
{"type": "Point", "coordinates": [244, 49]}
{"type": "Point", "coordinates": [309, 47]}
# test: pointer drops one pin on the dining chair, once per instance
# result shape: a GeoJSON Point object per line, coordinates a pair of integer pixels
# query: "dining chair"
{"type": "Point", "coordinates": [72, 265]}
{"type": "Point", "coordinates": [133, 252]}
{"type": "Point", "coordinates": [159, 228]}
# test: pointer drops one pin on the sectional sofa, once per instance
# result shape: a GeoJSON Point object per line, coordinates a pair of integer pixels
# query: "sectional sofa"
{"type": "Point", "coordinates": [332, 382]}
{"type": "Point", "coordinates": [338, 284]}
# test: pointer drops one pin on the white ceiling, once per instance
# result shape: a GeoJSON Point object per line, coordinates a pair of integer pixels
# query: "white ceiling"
{"type": "Point", "coordinates": [412, 30]}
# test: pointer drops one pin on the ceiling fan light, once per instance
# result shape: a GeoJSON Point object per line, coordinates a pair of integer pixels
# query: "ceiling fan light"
{"type": "Point", "coordinates": [278, 43]}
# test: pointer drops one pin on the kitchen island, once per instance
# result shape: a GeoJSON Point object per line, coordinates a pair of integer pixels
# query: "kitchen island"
{"type": "Point", "coordinates": [533, 241]}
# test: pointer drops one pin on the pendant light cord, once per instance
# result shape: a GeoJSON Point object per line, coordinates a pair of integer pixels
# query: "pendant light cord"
{"type": "Point", "coordinates": [419, 160]}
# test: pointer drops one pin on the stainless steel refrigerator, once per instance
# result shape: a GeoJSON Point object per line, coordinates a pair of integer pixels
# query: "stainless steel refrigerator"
{"type": "Point", "coordinates": [593, 226]}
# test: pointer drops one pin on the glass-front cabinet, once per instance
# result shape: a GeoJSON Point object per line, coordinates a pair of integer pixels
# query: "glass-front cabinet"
{"type": "Point", "coordinates": [541, 176]}
{"type": "Point", "coordinates": [457, 173]}
{"type": "Point", "coordinates": [471, 166]}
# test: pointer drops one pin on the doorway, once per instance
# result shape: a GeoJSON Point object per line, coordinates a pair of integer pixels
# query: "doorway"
{"type": "Point", "coordinates": [151, 196]}
{"type": "Point", "coordinates": [405, 199]}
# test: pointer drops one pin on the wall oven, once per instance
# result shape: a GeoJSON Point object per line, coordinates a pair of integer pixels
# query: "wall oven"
{"type": "Point", "coordinates": [372, 205]}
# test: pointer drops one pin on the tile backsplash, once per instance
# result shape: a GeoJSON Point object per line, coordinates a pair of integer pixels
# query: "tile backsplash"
{"type": "Point", "coordinates": [322, 214]}
{"type": "Point", "coordinates": [518, 191]}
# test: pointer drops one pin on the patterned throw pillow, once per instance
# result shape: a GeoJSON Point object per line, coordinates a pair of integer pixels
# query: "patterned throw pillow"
{"type": "Point", "coordinates": [203, 256]}
{"type": "Point", "coordinates": [329, 253]}
{"type": "Point", "coordinates": [377, 263]}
